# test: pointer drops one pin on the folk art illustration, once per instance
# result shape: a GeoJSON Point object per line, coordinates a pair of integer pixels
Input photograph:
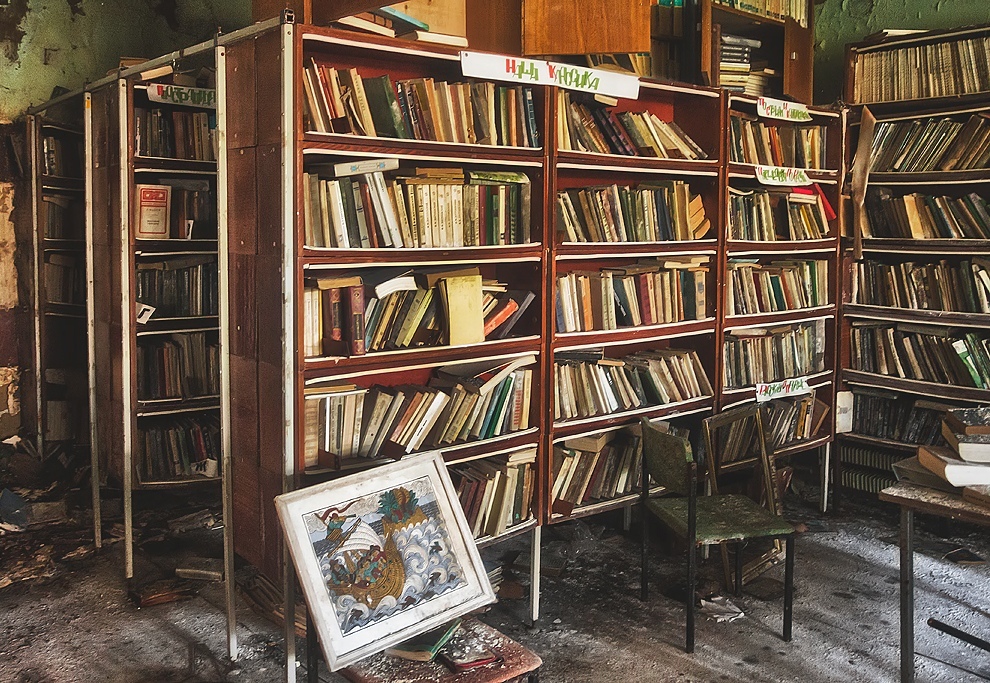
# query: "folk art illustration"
{"type": "Point", "coordinates": [383, 554]}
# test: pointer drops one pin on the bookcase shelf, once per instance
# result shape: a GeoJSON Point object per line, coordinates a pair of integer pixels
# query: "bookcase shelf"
{"type": "Point", "coordinates": [930, 178]}
{"type": "Point", "coordinates": [915, 386]}
{"type": "Point", "coordinates": [599, 422]}
{"type": "Point", "coordinates": [920, 246]}
{"type": "Point", "coordinates": [877, 441]}
{"type": "Point", "coordinates": [433, 355]}
{"type": "Point", "coordinates": [756, 247]}
{"type": "Point", "coordinates": [748, 171]}
{"type": "Point", "coordinates": [344, 144]}
{"type": "Point", "coordinates": [909, 315]}
{"type": "Point", "coordinates": [777, 318]}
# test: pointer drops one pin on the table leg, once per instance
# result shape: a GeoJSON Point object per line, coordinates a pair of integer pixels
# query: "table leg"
{"type": "Point", "coordinates": [907, 595]}
{"type": "Point", "coordinates": [534, 574]}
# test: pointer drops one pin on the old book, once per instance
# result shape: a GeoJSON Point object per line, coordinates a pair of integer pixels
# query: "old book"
{"type": "Point", "coordinates": [970, 447]}
{"type": "Point", "coordinates": [947, 464]}
{"type": "Point", "coordinates": [968, 420]}
{"type": "Point", "coordinates": [151, 211]}
{"type": "Point", "coordinates": [424, 647]}
{"type": "Point", "coordinates": [461, 299]}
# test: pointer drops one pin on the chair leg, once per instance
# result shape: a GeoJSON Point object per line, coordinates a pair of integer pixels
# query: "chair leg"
{"type": "Point", "coordinates": [738, 585]}
{"type": "Point", "coordinates": [788, 586]}
{"type": "Point", "coordinates": [644, 589]}
{"type": "Point", "coordinates": [689, 596]}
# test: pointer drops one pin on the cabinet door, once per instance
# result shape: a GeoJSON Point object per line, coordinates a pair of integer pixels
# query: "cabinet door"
{"type": "Point", "coordinates": [798, 61]}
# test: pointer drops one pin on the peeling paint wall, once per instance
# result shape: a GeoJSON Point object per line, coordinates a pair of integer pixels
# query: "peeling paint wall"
{"type": "Point", "coordinates": [48, 43]}
{"type": "Point", "coordinates": [838, 22]}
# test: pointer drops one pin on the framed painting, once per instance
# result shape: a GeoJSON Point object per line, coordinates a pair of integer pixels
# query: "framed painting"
{"type": "Point", "coordinates": [382, 556]}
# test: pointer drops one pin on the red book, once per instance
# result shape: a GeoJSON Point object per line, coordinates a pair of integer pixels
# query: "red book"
{"type": "Point", "coordinates": [333, 315]}
{"type": "Point", "coordinates": [646, 303]}
{"type": "Point", "coordinates": [369, 215]}
{"type": "Point", "coordinates": [501, 313]}
{"type": "Point", "coordinates": [355, 319]}
{"type": "Point", "coordinates": [829, 211]}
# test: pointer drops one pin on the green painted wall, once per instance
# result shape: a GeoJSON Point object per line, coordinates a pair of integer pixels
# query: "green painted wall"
{"type": "Point", "coordinates": [838, 22]}
{"type": "Point", "coordinates": [45, 43]}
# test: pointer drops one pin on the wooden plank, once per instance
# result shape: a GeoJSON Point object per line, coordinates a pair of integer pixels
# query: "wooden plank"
{"type": "Point", "coordinates": [268, 75]}
{"type": "Point", "coordinates": [244, 411]}
{"type": "Point", "coordinates": [933, 502]}
{"type": "Point", "coordinates": [241, 83]}
{"type": "Point", "coordinates": [553, 27]}
{"type": "Point", "coordinates": [242, 200]}
{"type": "Point", "coordinates": [443, 16]}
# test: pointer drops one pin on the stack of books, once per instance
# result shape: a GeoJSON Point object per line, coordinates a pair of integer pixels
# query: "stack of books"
{"type": "Point", "coordinates": [586, 124]}
{"type": "Point", "coordinates": [346, 424]}
{"type": "Point", "coordinates": [386, 309]}
{"type": "Point", "coordinates": [964, 463]}
{"type": "Point", "coordinates": [929, 353]}
{"type": "Point", "coordinates": [923, 216]}
{"type": "Point", "coordinates": [734, 61]}
{"type": "Point", "coordinates": [888, 415]}
{"type": "Point", "coordinates": [652, 292]}
{"type": "Point", "coordinates": [934, 144]}
{"type": "Point", "coordinates": [587, 384]}
{"type": "Point", "coordinates": [659, 211]}
{"type": "Point", "coordinates": [390, 22]}
{"type": "Point", "coordinates": [756, 287]}
{"type": "Point", "coordinates": [751, 141]}
{"type": "Point", "coordinates": [475, 113]}
{"type": "Point", "coordinates": [596, 468]}
{"type": "Point", "coordinates": [758, 81]}
{"type": "Point", "coordinates": [353, 205]}
{"type": "Point", "coordinates": [924, 286]}
{"type": "Point", "coordinates": [758, 354]}
{"type": "Point", "coordinates": [496, 493]}
{"type": "Point", "coordinates": [756, 214]}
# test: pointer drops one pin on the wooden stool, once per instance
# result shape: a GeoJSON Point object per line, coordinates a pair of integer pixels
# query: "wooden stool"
{"type": "Point", "coordinates": [518, 664]}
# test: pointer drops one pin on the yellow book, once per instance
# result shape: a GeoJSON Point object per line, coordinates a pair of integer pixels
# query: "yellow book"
{"type": "Point", "coordinates": [461, 297]}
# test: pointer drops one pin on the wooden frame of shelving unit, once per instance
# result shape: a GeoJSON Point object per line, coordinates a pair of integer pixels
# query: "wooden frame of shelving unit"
{"type": "Point", "coordinates": [895, 250]}
{"type": "Point", "coordinates": [59, 326]}
{"type": "Point", "coordinates": [788, 43]}
{"type": "Point", "coordinates": [700, 113]}
{"type": "Point", "coordinates": [830, 180]}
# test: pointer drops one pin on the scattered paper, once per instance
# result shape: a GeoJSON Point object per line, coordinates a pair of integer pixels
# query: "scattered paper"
{"type": "Point", "coordinates": [721, 609]}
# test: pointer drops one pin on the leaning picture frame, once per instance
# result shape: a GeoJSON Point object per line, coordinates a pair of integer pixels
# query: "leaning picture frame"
{"type": "Point", "coordinates": [382, 555]}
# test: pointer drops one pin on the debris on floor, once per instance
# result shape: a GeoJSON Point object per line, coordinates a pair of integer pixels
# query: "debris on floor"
{"type": "Point", "coordinates": [200, 569]}
{"type": "Point", "coordinates": [721, 610]}
{"type": "Point", "coordinates": [161, 592]}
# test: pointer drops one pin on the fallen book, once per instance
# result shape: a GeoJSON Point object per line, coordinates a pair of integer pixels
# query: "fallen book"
{"type": "Point", "coordinates": [913, 472]}
{"type": "Point", "coordinates": [944, 462]}
{"type": "Point", "coordinates": [970, 447]}
{"type": "Point", "coordinates": [424, 647]}
{"type": "Point", "coordinates": [969, 420]}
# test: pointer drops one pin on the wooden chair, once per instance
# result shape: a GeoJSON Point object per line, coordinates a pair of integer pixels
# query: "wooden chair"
{"type": "Point", "coordinates": [704, 520]}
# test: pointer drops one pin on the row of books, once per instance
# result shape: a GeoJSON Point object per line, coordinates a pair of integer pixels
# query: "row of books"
{"type": "Point", "coordinates": [496, 493]}
{"type": "Point", "coordinates": [752, 141]}
{"type": "Point", "coordinates": [793, 419]}
{"type": "Point", "coordinates": [888, 415]}
{"type": "Point", "coordinates": [183, 365]}
{"type": "Point", "coordinates": [432, 208]}
{"type": "Point", "coordinates": [585, 124]}
{"type": "Point", "coordinates": [413, 309]}
{"type": "Point", "coordinates": [482, 113]}
{"type": "Point", "coordinates": [60, 157]}
{"type": "Point", "coordinates": [602, 467]}
{"type": "Point", "coordinates": [754, 355]}
{"type": "Point", "coordinates": [181, 287]}
{"type": "Point", "coordinates": [652, 212]}
{"type": "Point", "coordinates": [176, 209]}
{"type": "Point", "coordinates": [652, 292]}
{"type": "Point", "coordinates": [927, 353]}
{"type": "Point", "coordinates": [933, 144]}
{"type": "Point", "coordinates": [175, 134]}
{"type": "Point", "coordinates": [769, 216]}
{"type": "Point", "coordinates": [942, 69]}
{"type": "Point", "coordinates": [180, 448]}
{"type": "Point", "coordinates": [62, 218]}
{"type": "Point", "coordinates": [65, 279]}
{"type": "Point", "coordinates": [775, 9]}
{"type": "Point", "coordinates": [344, 422]}
{"type": "Point", "coordinates": [923, 216]}
{"type": "Point", "coordinates": [587, 384]}
{"type": "Point", "coordinates": [941, 286]}
{"type": "Point", "coordinates": [756, 287]}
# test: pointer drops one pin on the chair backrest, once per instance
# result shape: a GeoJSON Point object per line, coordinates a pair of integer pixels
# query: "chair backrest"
{"type": "Point", "coordinates": [666, 458]}
{"type": "Point", "coordinates": [733, 438]}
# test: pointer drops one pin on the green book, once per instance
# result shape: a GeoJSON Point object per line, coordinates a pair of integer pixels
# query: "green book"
{"type": "Point", "coordinates": [385, 110]}
{"type": "Point", "coordinates": [424, 647]}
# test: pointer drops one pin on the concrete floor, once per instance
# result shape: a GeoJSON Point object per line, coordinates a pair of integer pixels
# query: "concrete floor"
{"type": "Point", "coordinates": [80, 625]}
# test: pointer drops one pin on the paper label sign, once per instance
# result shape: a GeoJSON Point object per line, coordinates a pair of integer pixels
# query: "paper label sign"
{"type": "Point", "coordinates": [186, 97]}
{"type": "Point", "coordinates": [143, 312]}
{"type": "Point", "coordinates": [782, 175]}
{"type": "Point", "coordinates": [787, 387]}
{"type": "Point", "coordinates": [541, 72]}
{"type": "Point", "coordinates": [769, 108]}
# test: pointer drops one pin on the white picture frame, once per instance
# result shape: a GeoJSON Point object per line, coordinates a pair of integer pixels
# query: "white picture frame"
{"type": "Point", "coordinates": [354, 538]}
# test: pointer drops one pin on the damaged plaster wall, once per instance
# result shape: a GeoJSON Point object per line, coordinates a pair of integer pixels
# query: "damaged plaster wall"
{"type": "Point", "coordinates": [9, 376]}
{"type": "Point", "coordinates": [838, 22]}
{"type": "Point", "coordinates": [45, 43]}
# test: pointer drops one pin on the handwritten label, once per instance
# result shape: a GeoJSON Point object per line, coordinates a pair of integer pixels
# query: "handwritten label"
{"type": "Point", "coordinates": [782, 175]}
{"type": "Point", "coordinates": [186, 97]}
{"type": "Point", "coordinates": [787, 387]}
{"type": "Point", "coordinates": [769, 108]}
{"type": "Point", "coordinates": [541, 72]}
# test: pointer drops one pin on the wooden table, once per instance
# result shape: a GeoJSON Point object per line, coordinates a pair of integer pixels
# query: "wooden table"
{"type": "Point", "coordinates": [518, 664]}
{"type": "Point", "coordinates": [913, 499]}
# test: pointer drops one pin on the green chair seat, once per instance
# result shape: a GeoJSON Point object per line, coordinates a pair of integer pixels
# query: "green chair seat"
{"type": "Point", "coordinates": [720, 518]}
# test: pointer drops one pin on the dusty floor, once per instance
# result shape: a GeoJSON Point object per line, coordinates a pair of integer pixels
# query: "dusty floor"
{"type": "Point", "coordinates": [80, 625]}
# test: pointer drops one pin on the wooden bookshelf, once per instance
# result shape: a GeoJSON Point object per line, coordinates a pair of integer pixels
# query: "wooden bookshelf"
{"type": "Point", "coordinates": [820, 249]}
{"type": "Point", "coordinates": [944, 307]}
{"type": "Point", "coordinates": [60, 368]}
{"type": "Point", "coordinates": [787, 44]}
{"type": "Point", "coordinates": [156, 429]}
